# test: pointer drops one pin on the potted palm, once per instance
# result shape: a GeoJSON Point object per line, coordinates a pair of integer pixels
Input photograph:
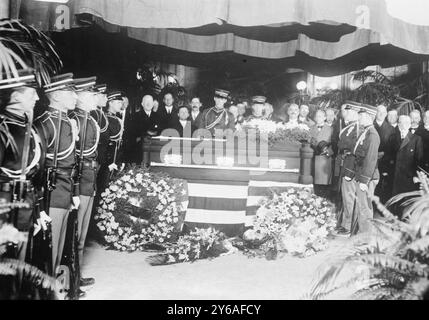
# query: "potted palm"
{"type": "Point", "coordinates": [394, 265]}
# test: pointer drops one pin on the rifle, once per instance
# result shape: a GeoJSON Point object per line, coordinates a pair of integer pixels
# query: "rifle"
{"type": "Point", "coordinates": [19, 189]}
{"type": "Point", "coordinates": [51, 172]}
{"type": "Point", "coordinates": [119, 142]}
{"type": "Point", "coordinates": [82, 147]}
{"type": "Point", "coordinates": [71, 249]}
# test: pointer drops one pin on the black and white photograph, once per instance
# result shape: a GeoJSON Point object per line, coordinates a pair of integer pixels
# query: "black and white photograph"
{"type": "Point", "coordinates": [221, 153]}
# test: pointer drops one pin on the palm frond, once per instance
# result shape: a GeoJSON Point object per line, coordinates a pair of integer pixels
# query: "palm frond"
{"type": "Point", "coordinates": [419, 246]}
{"type": "Point", "coordinates": [30, 273]}
{"type": "Point", "coordinates": [32, 46]}
{"type": "Point", "coordinates": [376, 93]}
{"type": "Point", "coordinates": [365, 75]}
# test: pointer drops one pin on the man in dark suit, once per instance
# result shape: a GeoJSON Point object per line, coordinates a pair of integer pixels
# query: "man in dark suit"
{"type": "Point", "coordinates": [149, 123]}
{"type": "Point", "coordinates": [407, 149]}
{"type": "Point", "coordinates": [167, 113]}
{"type": "Point", "coordinates": [338, 125]}
{"type": "Point", "coordinates": [385, 131]}
{"type": "Point", "coordinates": [182, 124]}
{"type": "Point", "coordinates": [423, 132]}
{"type": "Point", "coordinates": [196, 116]}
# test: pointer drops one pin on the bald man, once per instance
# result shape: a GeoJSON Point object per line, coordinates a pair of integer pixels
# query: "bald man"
{"type": "Point", "coordinates": [148, 122]}
{"type": "Point", "coordinates": [416, 120]}
{"type": "Point", "coordinates": [385, 131]}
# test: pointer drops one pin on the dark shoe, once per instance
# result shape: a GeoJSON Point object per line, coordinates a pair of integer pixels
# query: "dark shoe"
{"type": "Point", "coordinates": [86, 282]}
{"type": "Point", "coordinates": [81, 294]}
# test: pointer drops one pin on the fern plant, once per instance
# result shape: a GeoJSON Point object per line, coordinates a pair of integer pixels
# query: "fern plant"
{"type": "Point", "coordinates": [17, 270]}
{"type": "Point", "coordinates": [391, 263]}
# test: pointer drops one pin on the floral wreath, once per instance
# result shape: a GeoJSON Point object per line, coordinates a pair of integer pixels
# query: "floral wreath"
{"type": "Point", "coordinates": [141, 208]}
{"type": "Point", "coordinates": [295, 221]}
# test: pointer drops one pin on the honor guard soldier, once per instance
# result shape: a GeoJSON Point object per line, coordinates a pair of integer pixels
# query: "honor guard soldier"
{"type": "Point", "coordinates": [60, 133]}
{"type": "Point", "coordinates": [366, 171]}
{"type": "Point", "coordinates": [218, 117]}
{"type": "Point", "coordinates": [100, 116]}
{"type": "Point", "coordinates": [258, 105]}
{"type": "Point", "coordinates": [347, 140]}
{"type": "Point", "coordinates": [86, 149]}
{"type": "Point", "coordinates": [112, 153]}
{"type": "Point", "coordinates": [21, 157]}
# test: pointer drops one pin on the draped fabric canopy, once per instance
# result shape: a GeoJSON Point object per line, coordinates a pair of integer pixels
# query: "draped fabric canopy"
{"type": "Point", "coordinates": [325, 37]}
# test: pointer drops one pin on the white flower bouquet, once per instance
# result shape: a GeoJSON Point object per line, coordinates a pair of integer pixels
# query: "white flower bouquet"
{"type": "Point", "coordinates": [298, 221]}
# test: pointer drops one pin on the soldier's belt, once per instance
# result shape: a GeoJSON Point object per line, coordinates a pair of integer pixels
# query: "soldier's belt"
{"type": "Point", "coordinates": [90, 164]}
{"type": "Point", "coordinates": [8, 186]}
{"type": "Point", "coordinates": [66, 172]}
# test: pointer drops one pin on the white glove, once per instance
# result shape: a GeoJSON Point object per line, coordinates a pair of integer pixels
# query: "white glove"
{"type": "Point", "coordinates": [75, 129]}
{"type": "Point", "coordinates": [112, 167]}
{"type": "Point", "coordinates": [122, 167]}
{"type": "Point", "coordinates": [76, 203]}
{"type": "Point", "coordinates": [42, 222]}
{"type": "Point", "coordinates": [416, 180]}
{"type": "Point", "coordinates": [363, 187]}
{"type": "Point", "coordinates": [347, 178]}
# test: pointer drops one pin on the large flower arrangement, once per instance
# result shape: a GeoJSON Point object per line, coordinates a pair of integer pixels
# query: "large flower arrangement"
{"type": "Point", "coordinates": [296, 221]}
{"type": "Point", "coordinates": [141, 208]}
{"type": "Point", "coordinates": [277, 132]}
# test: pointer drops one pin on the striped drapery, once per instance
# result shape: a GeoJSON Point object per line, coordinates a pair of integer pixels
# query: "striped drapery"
{"type": "Point", "coordinates": [228, 198]}
{"type": "Point", "coordinates": [304, 34]}
{"type": "Point", "coordinates": [220, 204]}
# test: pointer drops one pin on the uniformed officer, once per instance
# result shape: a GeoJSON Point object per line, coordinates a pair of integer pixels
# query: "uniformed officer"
{"type": "Point", "coordinates": [347, 140]}
{"type": "Point", "coordinates": [258, 105]}
{"type": "Point", "coordinates": [112, 151]}
{"type": "Point", "coordinates": [100, 116]}
{"type": "Point", "coordinates": [89, 134]}
{"type": "Point", "coordinates": [22, 153]}
{"type": "Point", "coordinates": [367, 175]}
{"type": "Point", "coordinates": [60, 133]}
{"type": "Point", "coordinates": [218, 117]}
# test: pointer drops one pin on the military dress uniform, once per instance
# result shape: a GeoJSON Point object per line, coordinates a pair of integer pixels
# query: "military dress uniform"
{"type": "Point", "coordinates": [111, 147]}
{"type": "Point", "coordinates": [100, 117]}
{"type": "Point", "coordinates": [214, 118]}
{"type": "Point", "coordinates": [65, 187]}
{"type": "Point", "coordinates": [12, 132]}
{"type": "Point", "coordinates": [348, 137]}
{"type": "Point", "coordinates": [13, 128]}
{"type": "Point", "coordinates": [366, 158]}
{"type": "Point", "coordinates": [88, 165]}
